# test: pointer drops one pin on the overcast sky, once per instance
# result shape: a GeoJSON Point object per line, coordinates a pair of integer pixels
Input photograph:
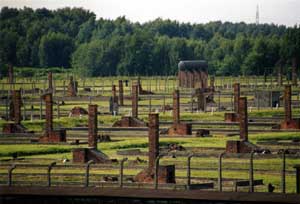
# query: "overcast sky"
{"type": "Point", "coordinates": [286, 12]}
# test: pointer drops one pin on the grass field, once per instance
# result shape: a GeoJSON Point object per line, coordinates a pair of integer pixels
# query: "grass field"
{"type": "Point", "coordinates": [266, 168]}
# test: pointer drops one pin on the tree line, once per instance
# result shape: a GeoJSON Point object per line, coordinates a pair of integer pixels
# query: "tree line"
{"type": "Point", "coordinates": [73, 38]}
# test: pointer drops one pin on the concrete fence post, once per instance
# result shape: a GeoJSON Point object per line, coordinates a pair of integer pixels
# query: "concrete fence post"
{"type": "Point", "coordinates": [220, 171]}
{"type": "Point", "coordinates": [156, 171]}
{"type": "Point", "coordinates": [121, 172]}
{"type": "Point", "coordinates": [283, 171]}
{"type": "Point", "coordinates": [49, 172]}
{"type": "Point", "coordinates": [251, 177]}
{"type": "Point", "coordinates": [10, 171]}
{"type": "Point", "coordinates": [87, 172]}
{"type": "Point", "coordinates": [189, 158]}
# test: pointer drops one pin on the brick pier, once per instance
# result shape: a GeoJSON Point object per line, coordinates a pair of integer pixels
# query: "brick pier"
{"type": "Point", "coordinates": [166, 174]}
{"type": "Point", "coordinates": [243, 145]}
{"type": "Point", "coordinates": [51, 135]}
{"type": "Point", "coordinates": [289, 122]}
{"type": "Point", "coordinates": [15, 115]}
{"type": "Point", "coordinates": [50, 82]}
{"type": "Point", "coordinates": [134, 100]}
{"type": "Point", "coordinates": [132, 121]}
{"type": "Point", "coordinates": [10, 74]}
{"type": "Point", "coordinates": [72, 87]}
{"type": "Point", "coordinates": [178, 128]}
{"type": "Point", "coordinates": [233, 116]}
{"type": "Point", "coordinates": [121, 93]}
{"type": "Point", "coordinates": [83, 155]}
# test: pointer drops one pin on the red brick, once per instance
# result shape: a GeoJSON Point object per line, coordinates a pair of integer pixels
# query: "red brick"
{"type": "Point", "coordinates": [135, 97]}
{"type": "Point", "coordinates": [121, 93]}
{"type": "Point", "coordinates": [231, 117]}
{"type": "Point", "coordinates": [92, 126]}
{"type": "Point", "coordinates": [243, 118]}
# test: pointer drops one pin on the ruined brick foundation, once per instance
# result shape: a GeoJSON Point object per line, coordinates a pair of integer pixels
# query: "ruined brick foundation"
{"type": "Point", "coordinates": [128, 121]}
{"type": "Point", "coordinates": [238, 146]}
{"type": "Point", "coordinates": [180, 129]}
{"type": "Point", "coordinates": [83, 155]}
{"type": "Point", "coordinates": [14, 128]}
{"type": "Point", "coordinates": [166, 174]}
{"type": "Point", "coordinates": [231, 117]}
{"type": "Point", "coordinates": [54, 136]}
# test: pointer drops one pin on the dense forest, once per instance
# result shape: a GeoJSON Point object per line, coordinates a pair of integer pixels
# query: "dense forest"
{"type": "Point", "coordinates": [75, 39]}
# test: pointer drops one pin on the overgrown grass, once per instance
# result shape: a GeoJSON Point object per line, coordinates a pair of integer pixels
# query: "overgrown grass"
{"type": "Point", "coordinates": [30, 149]}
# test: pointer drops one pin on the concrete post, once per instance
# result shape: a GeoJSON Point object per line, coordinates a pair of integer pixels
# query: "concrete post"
{"type": "Point", "coordinates": [176, 107]}
{"type": "Point", "coordinates": [220, 178]}
{"type": "Point", "coordinates": [87, 172]}
{"type": "Point", "coordinates": [121, 172]}
{"type": "Point", "coordinates": [49, 172]}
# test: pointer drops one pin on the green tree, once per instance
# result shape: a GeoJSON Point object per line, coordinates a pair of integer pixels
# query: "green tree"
{"type": "Point", "coordinates": [55, 49]}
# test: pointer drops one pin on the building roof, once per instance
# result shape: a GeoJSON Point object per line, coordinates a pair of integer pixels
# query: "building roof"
{"type": "Point", "coordinates": [190, 65]}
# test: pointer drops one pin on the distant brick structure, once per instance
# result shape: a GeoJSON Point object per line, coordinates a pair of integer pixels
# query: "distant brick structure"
{"type": "Point", "coordinates": [114, 93]}
{"type": "Point", "coordinates": [50, 82]}
{"type": "Point", "coordinates": [10, 74]}
{"type": "Point", "coordinates": [267, 98]}
{"type": "Point", "coordinates": [243, 145]}
{"type": "Point", "coordinates": [289, 122]}
{"type": "Point", "coordinates": [212, 83]}
{"type": "Point", "coordinates": [178, 128]}
{"type": "Point", "coordinates": [72, 87]}
{"type": "Point", "coordinates": [131, 121]}
{"type": "Point", "coordinates": [121, 93]}
{"type": "Point", "coordinates": [193, 74]}
{"type": "Point", "coordinates": [201, 99]}
{"type": "Point", "coordinates": [166, 174]}
{"type": "Point", "coordinates": [15, 115]}
{"type": "Point", "coordinates": [77, 111]}
{"type": "Point", "coordinates": [83, 155]}
{"type": "Point", "coordinates": [17, 103]}
{"type": "Point", "coordinates": [51, 135]}
{"type": "Point", "coordinates": [234, 116]}
{"type": "Point", "coordinates": [176, 107]}
{"type": "Point", "coordinates": [135, 100]}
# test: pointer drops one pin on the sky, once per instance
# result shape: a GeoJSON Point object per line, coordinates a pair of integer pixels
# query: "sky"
{"type": "Point", "coordinates": [281, 12]}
